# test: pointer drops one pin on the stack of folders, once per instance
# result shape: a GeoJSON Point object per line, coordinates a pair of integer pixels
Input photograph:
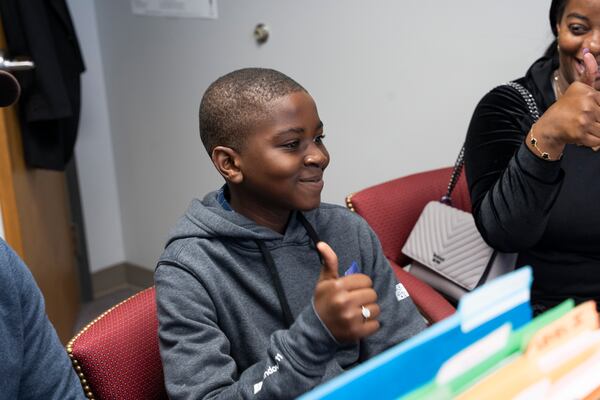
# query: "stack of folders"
{"type": "Point", "coordinates": [489, 349]}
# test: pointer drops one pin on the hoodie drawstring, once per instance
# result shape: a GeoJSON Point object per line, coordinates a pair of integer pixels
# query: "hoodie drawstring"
{"type": "Point", "coordinates": [285, 306]}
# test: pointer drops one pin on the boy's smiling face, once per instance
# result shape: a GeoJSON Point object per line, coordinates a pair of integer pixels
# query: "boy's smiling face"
{"type": "Point", "coordinates": [282, 162]}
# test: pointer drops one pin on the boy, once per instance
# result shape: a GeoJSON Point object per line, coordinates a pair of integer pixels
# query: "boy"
{"type": "Point", "coordinates": [246, 307]}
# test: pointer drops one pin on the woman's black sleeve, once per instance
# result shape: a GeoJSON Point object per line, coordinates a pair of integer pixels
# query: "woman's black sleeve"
{"type": "Point", "coordinates": [512, 190]}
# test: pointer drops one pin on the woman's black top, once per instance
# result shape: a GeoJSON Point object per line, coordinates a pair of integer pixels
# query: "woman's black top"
{"type": "Point", "coordinates": [547, 211]}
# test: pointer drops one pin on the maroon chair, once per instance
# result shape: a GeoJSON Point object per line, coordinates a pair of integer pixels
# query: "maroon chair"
{"type": "Point", "coordinates": [392, 209]}
{"type": "Point", "coordinates": [116, 356]}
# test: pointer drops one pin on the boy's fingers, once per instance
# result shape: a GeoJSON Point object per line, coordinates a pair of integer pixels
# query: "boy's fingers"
{"type": "Point", "coordinates": [590, 69]}
{"type": "Point", "coordinates": [369, 327]}
{"type": "Point", "coordinates": [329, 270]}
{"type": "Point", "coordinates": [374, 310]}
{"type": "Point", "coordinates": [356, 281]}
{"type": "Point", "coordinates": [363, 296]}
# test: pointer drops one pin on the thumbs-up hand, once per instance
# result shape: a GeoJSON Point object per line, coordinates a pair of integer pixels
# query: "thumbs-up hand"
{"type": "Point", "coordinates": [589, 75]}
{"type": "Point", "coordinates": [590, 68]}
{"type": "Point", "coordinates": [329, 269]}
{"type": "Point", "coordinates": [575, 116]}
{"type": "Point", "coordinates": [346, 305]}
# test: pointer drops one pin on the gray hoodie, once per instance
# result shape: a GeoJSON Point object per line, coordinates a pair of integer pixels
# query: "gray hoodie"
{"type": "Point", "coordinates": [221, 328]}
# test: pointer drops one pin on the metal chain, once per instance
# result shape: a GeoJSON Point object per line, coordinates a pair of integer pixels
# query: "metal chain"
{"type": "Point", "coordinates": [456, 171]}
{"type": "Point", "coordinates": [529, 100]}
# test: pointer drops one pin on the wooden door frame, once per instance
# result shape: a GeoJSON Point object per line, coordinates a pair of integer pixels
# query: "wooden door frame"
{"type": "Point", "coordinates": [8, 196]}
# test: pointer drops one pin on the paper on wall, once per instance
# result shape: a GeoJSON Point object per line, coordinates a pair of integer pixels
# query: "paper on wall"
{"type": "Point", "coordinates": [176, 8]}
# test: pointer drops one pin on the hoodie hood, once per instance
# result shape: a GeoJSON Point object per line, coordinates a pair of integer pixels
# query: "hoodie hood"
{"type": "Point", "coordinates": [207, 218]}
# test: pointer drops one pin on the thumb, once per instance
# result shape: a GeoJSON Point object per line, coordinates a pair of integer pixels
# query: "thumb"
{"type": "Point", "coordinates": [329, 270]}
{"type": "Point", "coordinates": [590, 68]}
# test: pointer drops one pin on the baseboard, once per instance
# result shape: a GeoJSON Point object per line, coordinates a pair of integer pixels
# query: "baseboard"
{"type": "Point", "coordinates": [120, 276]}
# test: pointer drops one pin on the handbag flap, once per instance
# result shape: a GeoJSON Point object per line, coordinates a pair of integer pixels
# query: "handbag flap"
{"type": "Point", "coordinates": [446, 240]}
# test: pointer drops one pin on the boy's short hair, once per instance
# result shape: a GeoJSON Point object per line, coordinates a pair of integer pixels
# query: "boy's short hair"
{"type": "Point", "coordinates": [233, 104]}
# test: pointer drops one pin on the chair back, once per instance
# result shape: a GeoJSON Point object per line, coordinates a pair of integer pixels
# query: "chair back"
{"type": "Point", "coordinates": [116, 356]}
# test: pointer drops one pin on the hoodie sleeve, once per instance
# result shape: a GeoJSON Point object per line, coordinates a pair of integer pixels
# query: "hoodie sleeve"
{"type": "Point", "coordinates": [33, 362]}
{"type": "Point", "coordinates": [196, 353]}
{"type": "Point", "coordinates": [399, 318]}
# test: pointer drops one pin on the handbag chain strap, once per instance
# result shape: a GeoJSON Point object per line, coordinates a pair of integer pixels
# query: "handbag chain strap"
{"type": "Point", "coordinates": [528, 97]}
{"type": "Point", "coordinates": [456, 171]}
{"type": "Point", "coordinates": [460, 161]}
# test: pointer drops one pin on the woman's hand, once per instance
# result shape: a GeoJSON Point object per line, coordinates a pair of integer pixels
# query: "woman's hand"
{"type": "Point", "coordinates": [574, 117]}
{"type": "Point", "coordinates": [339, 301]}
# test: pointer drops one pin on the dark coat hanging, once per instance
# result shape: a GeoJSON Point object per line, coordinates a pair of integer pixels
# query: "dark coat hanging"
{"type": "Point", "coordinates": [50, 100]}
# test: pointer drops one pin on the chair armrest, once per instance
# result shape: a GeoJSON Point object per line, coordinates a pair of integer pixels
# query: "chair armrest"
{"type": "Point", "coordinates": [432, 305]}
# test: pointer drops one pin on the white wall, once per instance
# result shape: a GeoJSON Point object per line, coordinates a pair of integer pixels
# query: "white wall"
{"type": "Point", "coordinates": [94, 151]}
{"type": "Point", "coordinates": [395, 84]}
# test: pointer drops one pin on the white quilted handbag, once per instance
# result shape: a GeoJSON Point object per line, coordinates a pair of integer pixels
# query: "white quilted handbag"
{"type": "Point", "coordinates": [449, 253]}
{"type": "Point", "coordinates": [447, 250]}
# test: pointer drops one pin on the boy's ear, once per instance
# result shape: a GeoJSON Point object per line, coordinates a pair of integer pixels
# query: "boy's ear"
{"type": "Point", "coordinates": [227, 162]}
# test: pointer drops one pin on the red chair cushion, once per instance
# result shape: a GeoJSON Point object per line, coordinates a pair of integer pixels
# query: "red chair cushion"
{"type": "Point", "coordinates": [117, 355]}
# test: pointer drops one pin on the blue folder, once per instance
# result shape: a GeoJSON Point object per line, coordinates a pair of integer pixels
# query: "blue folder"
{"type": "Point", "coordinates": [413, 363]}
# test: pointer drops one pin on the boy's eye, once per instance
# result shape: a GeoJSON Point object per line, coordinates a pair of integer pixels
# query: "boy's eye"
{"type": "Point", "coordinates": [578, 29]}
{"type": "Point", "coordinates": [291, 145]}
{"type": "Point", "coordinates": [319, 139]}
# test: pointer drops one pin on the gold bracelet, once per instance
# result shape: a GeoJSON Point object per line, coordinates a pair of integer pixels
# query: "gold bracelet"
{"type": "Point", "coordinates": [544, 154]}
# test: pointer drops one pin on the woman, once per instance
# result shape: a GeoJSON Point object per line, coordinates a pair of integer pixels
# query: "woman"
{"type": "Point", "coordinates": [535, 187]}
